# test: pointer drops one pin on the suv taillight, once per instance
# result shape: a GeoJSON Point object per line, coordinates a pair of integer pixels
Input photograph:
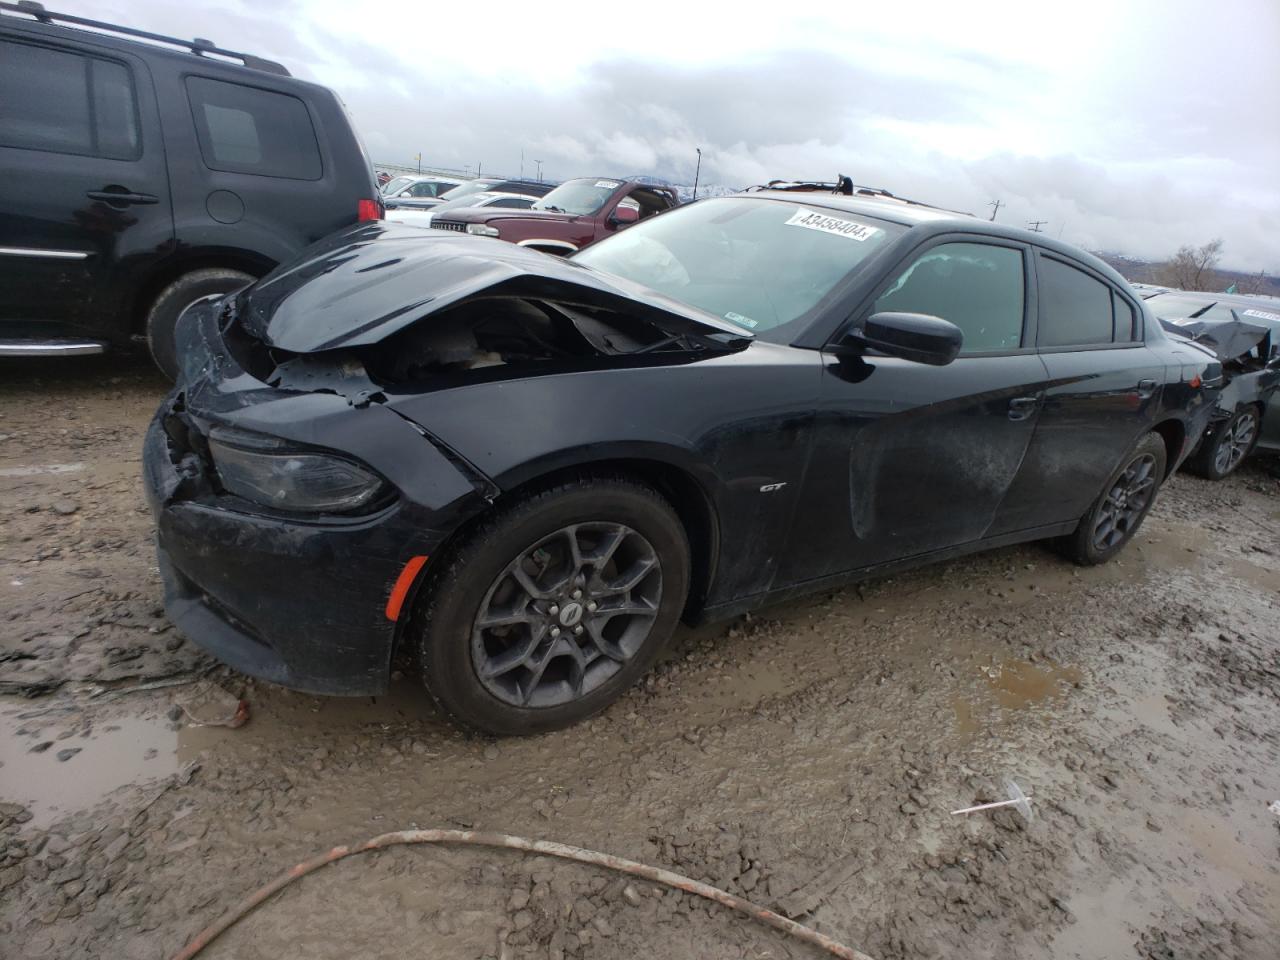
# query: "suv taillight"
{"type": "Point", "coordinates": [368, 210]}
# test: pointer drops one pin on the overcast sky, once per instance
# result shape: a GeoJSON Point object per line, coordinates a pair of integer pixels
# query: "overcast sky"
{"type": "Point", "coordinates": [1133, 126]}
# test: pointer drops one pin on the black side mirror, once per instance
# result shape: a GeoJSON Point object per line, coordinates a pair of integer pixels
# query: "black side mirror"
{"type": "Point", "coordinates": [918, 337]}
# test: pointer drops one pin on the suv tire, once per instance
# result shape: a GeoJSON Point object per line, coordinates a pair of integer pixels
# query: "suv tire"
{"type": "Point", "coordinates": [562, 673]}
{"type": "Point", "coordinates": [162, 320]}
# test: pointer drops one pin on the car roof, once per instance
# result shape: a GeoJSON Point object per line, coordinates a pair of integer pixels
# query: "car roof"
{"type": "Point", "coordinates": [934, 220]}
{"type": "Point", "coordinates": [1208, 296]}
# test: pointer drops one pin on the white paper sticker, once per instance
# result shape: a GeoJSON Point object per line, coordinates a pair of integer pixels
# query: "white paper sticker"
{"type": "Point", "coordinates": [1262, 315]}
{"type": "Point", "coordinates": [741, 320]}
{"type": "Point", "coordinates": [608, 183]}
{"type": "Point", "coordinates": [1183, 322]}
{"type": "Point", "coordinates": [841, 228]}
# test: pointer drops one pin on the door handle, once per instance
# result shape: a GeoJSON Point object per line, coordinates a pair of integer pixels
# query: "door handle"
{"type": "Point", "coordinates": [121, 196]}
{"type": "Point", "coordinates": [1021, 408]}
{"type": "Point", "coordinates": [1146, 388]}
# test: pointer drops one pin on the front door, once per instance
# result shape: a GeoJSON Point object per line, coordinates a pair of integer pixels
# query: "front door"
{"type": "Point", "coordinates": [909, 458]}
{"type": "Point", "coordinates": [85, 190]}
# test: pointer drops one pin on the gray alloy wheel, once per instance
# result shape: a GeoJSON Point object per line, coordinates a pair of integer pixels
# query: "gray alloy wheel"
{"type": "Point", "coordinates": [1235, 442]}
{"type": "Point", "coordinates": [1125, 503]}
{"type": "Point", "coordinates": [566, 614]}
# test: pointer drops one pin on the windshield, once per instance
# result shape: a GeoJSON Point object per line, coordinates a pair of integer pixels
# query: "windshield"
{"type": "Point", "coordinates": [582, 198]}
{"type": "Point", "coordinates": [398, 183]}
{"type": "Point", "coordinates": [1172, 308]}
{"type": "Point", "coordinates": [760, 264]}
{"type": "Point", "coordinates": [467, 189]}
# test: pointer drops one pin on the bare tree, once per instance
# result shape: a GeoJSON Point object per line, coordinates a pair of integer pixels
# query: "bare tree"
{"type": "Point", "coordinates": [1253, 285]}
{"type": "Point", "coordinates": [1193, 268]}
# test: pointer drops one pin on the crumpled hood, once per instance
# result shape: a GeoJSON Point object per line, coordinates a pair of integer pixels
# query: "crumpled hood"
{"type": "Point", "coordinates": [1228, 339]}
{"type": "Point", "coordinates": [362, 285]}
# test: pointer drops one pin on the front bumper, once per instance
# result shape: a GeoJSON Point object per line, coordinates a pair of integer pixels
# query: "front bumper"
{"type": "Point", "coordinates": [298, 601]}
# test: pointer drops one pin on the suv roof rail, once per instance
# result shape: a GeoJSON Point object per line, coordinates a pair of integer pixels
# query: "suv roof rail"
{"type": "Point", "coordinates": [199, 46]}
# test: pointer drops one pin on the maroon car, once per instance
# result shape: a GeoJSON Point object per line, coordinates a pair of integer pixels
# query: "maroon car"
{"type": "Point", "coordinates": [574, 215]}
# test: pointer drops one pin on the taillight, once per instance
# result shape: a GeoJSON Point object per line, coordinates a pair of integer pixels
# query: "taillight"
{"type": "Point", "coordinates": [368, 210]}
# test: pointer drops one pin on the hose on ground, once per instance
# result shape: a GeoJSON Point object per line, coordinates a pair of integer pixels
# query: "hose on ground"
{"type": "Point", "coordinates": [545, 847]}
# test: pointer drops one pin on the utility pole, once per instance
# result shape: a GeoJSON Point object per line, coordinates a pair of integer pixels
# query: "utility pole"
{"type": "Point", "coordinates": [521, 164]}
{"type": "Point", "coordinates": [995, 208]}
{"type": "Point", "coordinates": [539, 163]}
{"type": "Point", "coordinates": [419, 163]}
{"type": "Point", "coordinates": [1035, 225]}
{"type": "Point", "coordinates": [696, 173]}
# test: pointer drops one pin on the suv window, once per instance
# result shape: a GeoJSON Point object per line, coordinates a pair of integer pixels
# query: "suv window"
{"type": "Point", "coordinates": [523, 203]}
{"type": "Point", "coordinates": [65, 103]}
{"type": "Point", "coordinates": [1075, 309]}
{"type": "Point", "coordinates": [247, 130]}
{"type": "Point", "coordinates": [978, 287]}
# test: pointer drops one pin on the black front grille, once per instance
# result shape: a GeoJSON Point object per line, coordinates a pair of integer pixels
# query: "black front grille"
{"type": "Point", "coordinates": [449, 225]}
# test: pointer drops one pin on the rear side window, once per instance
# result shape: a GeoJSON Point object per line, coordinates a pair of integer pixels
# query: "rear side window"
{"type": "Point", "coordinates": [1075, 309]}
{"type": "Point", "coordinates": [1126, 319]}
{"type": "Point", "coordinates": [62, 102]}
{"type": "Point", "coordinates": [520, 203]}
{"type": "Point", "coordinates": [978, 287]}
{"type": "Point", "coordinates": [247, 130]}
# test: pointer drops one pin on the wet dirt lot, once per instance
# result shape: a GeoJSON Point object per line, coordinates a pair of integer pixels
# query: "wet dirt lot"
{"type": "Point", "coordinates": [806, 757]}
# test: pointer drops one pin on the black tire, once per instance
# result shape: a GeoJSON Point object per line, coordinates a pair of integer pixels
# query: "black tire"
{"type": "Point", "coordinates": [1092, 544]}
{"type": "Point", "coordinates": [162, 319]}
{"type": "Point", "coordinates": [551, 686]}
{"type": "Point", "coordinates": [1220, 453]}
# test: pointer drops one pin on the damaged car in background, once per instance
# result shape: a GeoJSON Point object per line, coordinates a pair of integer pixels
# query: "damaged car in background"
{"type": "Point", "coordinates": [1250, 356]}
{"type": "Point", "coordinates": [524, 470]}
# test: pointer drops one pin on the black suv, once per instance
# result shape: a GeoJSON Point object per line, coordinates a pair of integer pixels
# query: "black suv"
{"type": "Point", "coordinates": [138, 179]}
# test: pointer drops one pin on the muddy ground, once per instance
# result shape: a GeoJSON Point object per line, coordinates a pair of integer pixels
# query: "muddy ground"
{"type": "Point", "coordinates": [806, 757]}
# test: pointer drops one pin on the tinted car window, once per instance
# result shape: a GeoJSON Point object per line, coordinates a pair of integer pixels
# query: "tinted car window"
{"type": "Point", "coordinates": [65, 103]}
{"type": "Point", "coordinates": [1126, 319]}
{"type": "Point", "coordinates": [246, 130]}
{"type": "Point", "coordinates": [978, 287]}
{"type": "Point", "coordinates": [1075, 309]}
{"type": "Point", "coordinates": [522, 203]}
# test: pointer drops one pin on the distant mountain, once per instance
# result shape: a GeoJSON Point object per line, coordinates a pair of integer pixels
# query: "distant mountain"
{"type": "Point", "coordinates": [1138, 270]}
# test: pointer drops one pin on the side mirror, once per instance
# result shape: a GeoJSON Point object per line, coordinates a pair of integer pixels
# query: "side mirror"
{"type": "Point", "coordinates": [918, 337]}
{"type": "Point", "coordinates": [622, 216]}
{"type": "Point", "coordinates": [407, 193]}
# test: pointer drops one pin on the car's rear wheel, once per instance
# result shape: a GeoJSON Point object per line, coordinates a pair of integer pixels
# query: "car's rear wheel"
{"type": "Point", "coordinates": [550, 609]}
{"type": "Point", "coordinates": [1121, 506]}
{"type": "Point", "coordinates": [162, 320]}
{"type": "Point", "coordinates": [1231, 442]}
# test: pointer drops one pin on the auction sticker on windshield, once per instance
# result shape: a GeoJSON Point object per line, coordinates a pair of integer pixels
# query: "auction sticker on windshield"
{"type": "Point", "coordinates": [1262, 314]}
{"type": "Point", "coordinates": [841, 228]}
{"type": "Point", "coordinates": [607, 183]}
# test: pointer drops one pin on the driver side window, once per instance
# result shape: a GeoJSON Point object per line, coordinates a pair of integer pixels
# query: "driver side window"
{"type": "Point", "coordinates": [978, 287]}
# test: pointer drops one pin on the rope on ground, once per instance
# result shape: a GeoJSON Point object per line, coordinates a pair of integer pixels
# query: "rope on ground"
{"type": "Point", "coordinates": [546, 847]}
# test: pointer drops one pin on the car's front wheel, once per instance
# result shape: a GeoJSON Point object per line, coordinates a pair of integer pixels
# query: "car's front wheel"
{"type": "Point", "coordinates": [551, 608]}
{"type": "Point", "coordinates": [1121, 506]}
{"type": "Point", "coordinates": [1219, 455]}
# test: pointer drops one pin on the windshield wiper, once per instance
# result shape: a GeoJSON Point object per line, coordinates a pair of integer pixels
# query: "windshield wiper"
{"type": "Point", "coordinates": [552, 208]}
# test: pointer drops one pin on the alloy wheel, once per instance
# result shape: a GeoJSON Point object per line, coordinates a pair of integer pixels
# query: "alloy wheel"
{"type": "Point", "coordinates": [1235, 442]}
{"type": "Point", "coordinates": [566, 614]}
{"type": "Point", "coordinates": [1125, 503]}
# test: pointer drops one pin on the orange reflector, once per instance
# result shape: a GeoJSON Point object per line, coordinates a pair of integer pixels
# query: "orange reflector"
{"type": "Point", "coordinates": [1195, 382]}
{"type": "Point", "coordinates": [403, 583]}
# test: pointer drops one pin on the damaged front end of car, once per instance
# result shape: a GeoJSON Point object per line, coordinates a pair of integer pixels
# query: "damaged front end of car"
{"type": "Point", "coordinates": [281, 468]}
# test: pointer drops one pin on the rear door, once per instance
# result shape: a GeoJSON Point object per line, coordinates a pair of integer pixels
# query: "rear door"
{"type": "Point", "coordinates": [1101, 396]}
{"type": "Point", "coordinates": [908, 458]}
{"type": "Point", "coordinates": [84, 189]}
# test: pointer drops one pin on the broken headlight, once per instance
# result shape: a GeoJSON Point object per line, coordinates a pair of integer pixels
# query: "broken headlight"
{"type": "Point", "coordinates": [481, 230]}
{"type": "Point", "coordinates": [265, 471]}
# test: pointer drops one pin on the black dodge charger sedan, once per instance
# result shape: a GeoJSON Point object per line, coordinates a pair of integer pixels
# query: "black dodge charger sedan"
{"type": "Point", "coordinates": [526, 470]}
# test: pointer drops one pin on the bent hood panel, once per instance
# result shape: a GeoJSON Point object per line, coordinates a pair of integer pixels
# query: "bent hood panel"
{"type": "Point", "coordinates": [365, 284]}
